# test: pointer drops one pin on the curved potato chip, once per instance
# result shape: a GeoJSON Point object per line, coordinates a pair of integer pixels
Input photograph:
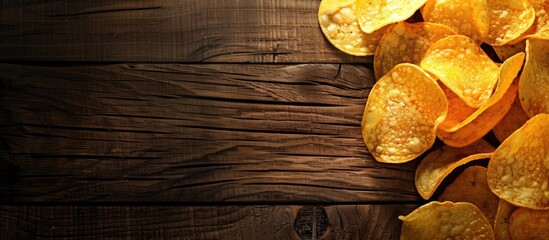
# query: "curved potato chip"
{"type": "Point", "coordinates": [534, 81]}
{"type": "Point", "coordinates": [506, 51]}
{"type": "Point", "coordinates": [403, 111]}
{"type": "Point", "coordinates": [471, 186]}
{"type": "Point", "coordinates": [513, 120]}
{"type": "Point", "coordinates": [375, 14]}
{"type": "Point", "coordinates": [406, 43]}
{"type": "Point", "coordinates": [458, 110]}
{"type": "Point", "coordinates": [501, 224]}
{"type": "Point", "coordinates": [441, 162]}
{"type": "Point", "coordinates": [482, 124]}
{"type": "Point", "coordinates": [459, 114]}
{"type": "Point", "coordinates": [447, 220]}
{"type": "Point", "coordinates": [529, 224]}
{"type": "Point", "coordinates": [463, 67]}
{"type": "Point", "coordinates": [508, 20]}
{"type": "Point", "coordinates": [339, 24]}
{"type": "Point", "coordinates": [518, 172]}
{"type": "Point", "coordinates": [540, 27]}
{"type": "Point", "coordinates": [467, 17]}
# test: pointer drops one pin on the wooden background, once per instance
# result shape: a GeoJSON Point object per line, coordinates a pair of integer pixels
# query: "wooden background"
{"type": "Point", "coordinates": [186, 119]}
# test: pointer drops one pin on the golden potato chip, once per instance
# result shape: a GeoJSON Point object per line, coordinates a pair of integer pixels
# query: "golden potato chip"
{"type": "Point", "coordinates": [467, 17]}
{"type": "Point", "coordinates": [456, 132]}
{"type": "Point", "coordinates": [482, 124]}
{"type": "Point", "coordinates": [471, 186]}
{"type": "Point", "coordinates": [513, 120]}
{"type": "Point", "coordinates": [458, 110]}
{"type": "Point", "coordinates": [518, 171]}
{"type": "Point", "coordinates": [459, 114]}
{"type": "Point", "coordinates": [402, 113]}
{"type": "Point", "coordinates": [441, 162]}
{"type": "Point", "coordinates": [529, 224]}
{"type": "Point", "coordinates": [508, 20]}
{"type": "Point", "coordinates": [463, 67]}
{"type": "Point", "coordinates": [506, 51]}
{"type": "Point", "coordinates": [447, 220]}
{"type": "Point", "coordinates": [375, 14]}
{"type": "Point", "coordinates": [339, 24]}
{"type": "Point", "coordinates": [534, 80]}
{"type": "Point", "coordinates": [540, 27]}
{"type": "Point", "coordinates": [406, 43]}
{"type": "Point", "coordinates": [501, 223]}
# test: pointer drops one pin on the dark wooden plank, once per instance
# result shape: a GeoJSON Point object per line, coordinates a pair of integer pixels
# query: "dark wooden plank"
{"type": "Point", "coordinates": [202, 222]}
{"type": "Point", "coordinates": [264, 31]}
{"type": "Point", "coordinates": [191, 133]}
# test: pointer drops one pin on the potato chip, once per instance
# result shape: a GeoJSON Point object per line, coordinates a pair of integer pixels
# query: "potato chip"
{"type": "Point", "coordinates": [508, 20]}
{"type": "Point", "coordinates": [459, 114]}
{"type": "Point", "coordinates": [467, 17]}
{"type": "Point", "coordinates": [375, 14]}
{"type": "Point", "coordinates": [540, 27]}
{"type": "Point", "coordinates": [446, 220]}
{"type": "Point", "coordinates": [501, 223]}
{"type": "Point", "coordinates": [339, 24]}
{"type": "Point", "coordinates": [513, 120]}
{"type": "Point", "coordinates": [534, 80]}
{"type": "Point", "coordinates": [458, 110]}
{"type": "Point", "coordinates": [441, 162]}
{"type": "Point", "coordinates": [471, 186]}
{"type": "Point", "coordinates": [463, 67]}
{"type": "Point", "coordinates": [529, 224]}
{"type": "Point", "coordinates": [482, 124]}
{"type": "Point", "coordinates": [406, 43]}
{"type": "Point", "coordinates": [403, 111]}
{"type": "Point", "coordinates": [506, 51]}
{"type": "Point", "coordinates": [518, 172]}
{"type": "Point", "coordinates": [483, 119]}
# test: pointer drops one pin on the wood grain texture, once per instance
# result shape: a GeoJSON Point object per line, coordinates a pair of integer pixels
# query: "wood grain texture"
{"type": "Point", "coordinates": [191, 133]}
{"type": "Point", "coordinates": [264, 31]}
{"type": "Point", "coordinates": [195, 222]}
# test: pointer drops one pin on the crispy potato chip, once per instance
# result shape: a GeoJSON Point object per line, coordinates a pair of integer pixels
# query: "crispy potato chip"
{"type": "Point", "coordinates": [518, 172]}
{"type": "Point", "coordinates": [339, 24]}
{"type": "Point", "coordinates": [482, 124]}
{"type": "Point", "coordinates": [406, 43]}
{"type": "Point", "coordinates": [540, 27]}
{"type": "Point", "coordinates": [458, 110]}
{"type": "Point", "coordinates": [529, 224]}
{"type": "Point", "coordinates": [467, 17]}
{"type": "Point", "coordinates": [508, 20]}
{"type": "Point", "coordinates": [463, 67]}
{"type": "Point", "coordinates": [506, 51]}
{"type": "Point", "coordinates": [447, 220]}
{"type": "Point", "coordinates": [501, 223]}
{"type": "Point", "coordinates": [441, 162]}
{"type": "Point", "coordinates": [403, 111]}
{"type": "Point", "coordinates": [459, 114]}
{"type": "Point", "coordinates": [513, 120]}
{"type": "Point", "coordinates": [375, 14]}
{"type": "Point", "coordinates": [534, 80]}
{"type": "Point", "coordinates": [471, 186]}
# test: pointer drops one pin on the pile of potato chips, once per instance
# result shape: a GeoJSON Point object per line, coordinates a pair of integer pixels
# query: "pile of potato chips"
{"type": "Point", "coordinates": [435, 80]}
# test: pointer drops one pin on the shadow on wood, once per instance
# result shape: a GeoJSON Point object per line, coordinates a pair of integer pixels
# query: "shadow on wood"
{"type": "Point", "coordinates": [197, 222]}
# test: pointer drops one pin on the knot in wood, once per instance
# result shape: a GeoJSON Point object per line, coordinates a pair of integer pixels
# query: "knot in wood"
{"type": "Point", "coordinates": [311, 222]}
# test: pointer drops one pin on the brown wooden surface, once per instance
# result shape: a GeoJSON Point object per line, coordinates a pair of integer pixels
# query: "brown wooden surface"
{"type": "Point", "coordinates": [199, 222]}
{"type": "Point", "coordinates": [170, 116]}
{"type": "Point", "coordinates": [191, 133]}
{"type": "Point", "coordinates": [266, 31]}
